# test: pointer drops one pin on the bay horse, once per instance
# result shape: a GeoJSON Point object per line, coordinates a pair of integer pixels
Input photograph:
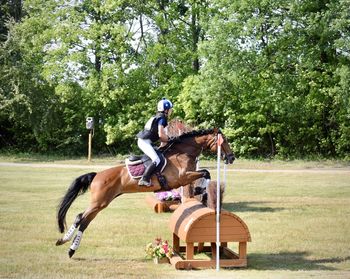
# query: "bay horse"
{"type": "Point", "coordinates": [105, 186]}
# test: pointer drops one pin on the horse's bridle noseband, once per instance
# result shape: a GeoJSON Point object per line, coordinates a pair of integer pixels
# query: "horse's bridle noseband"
{"type": "Point", "coordinates": [227, 157]}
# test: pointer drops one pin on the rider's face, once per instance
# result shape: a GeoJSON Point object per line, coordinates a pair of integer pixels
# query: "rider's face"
{"type": "Point", "coordinates": [169, 112]}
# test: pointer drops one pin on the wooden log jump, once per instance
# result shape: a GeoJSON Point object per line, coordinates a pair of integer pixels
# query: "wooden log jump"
{"type": "Point", "coordinates": [161, 206]}
{"type": "Point", "coordinates": [194, 223]}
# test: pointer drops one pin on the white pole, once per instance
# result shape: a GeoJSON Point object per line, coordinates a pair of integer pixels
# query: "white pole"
{"type": "Point", "coordinates": [225, 165]}
{"type": "Point", "coordinates": [218, 212]}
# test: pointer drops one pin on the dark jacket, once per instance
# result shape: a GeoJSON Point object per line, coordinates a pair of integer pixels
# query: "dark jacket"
{"type": "Point", "coordinates": [151, 128]}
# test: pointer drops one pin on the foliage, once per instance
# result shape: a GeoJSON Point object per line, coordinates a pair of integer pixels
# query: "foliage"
{"type": "Point", "coordinates": [273, 74]}
{"type": "Point", "coordinates": [277, 68]}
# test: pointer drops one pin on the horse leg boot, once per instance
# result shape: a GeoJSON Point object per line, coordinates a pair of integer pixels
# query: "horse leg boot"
{"type": "Point", "coordinates": [75, 243]}
{"type": "Point", "coordinates": [88, 216]}
{"type": "Point", "coordinates": [69, 234]}
{"type": "Point", "coordinates": [146, 178]}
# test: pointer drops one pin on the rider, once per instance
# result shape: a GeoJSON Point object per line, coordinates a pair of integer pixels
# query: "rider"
{"type": "Point", "coordinates": [154, 130]}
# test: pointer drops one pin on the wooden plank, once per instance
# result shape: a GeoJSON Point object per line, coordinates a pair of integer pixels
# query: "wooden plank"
{"type": "Point", "coordinates": [213, 251]}
{"type": "Point", "coordinates": [152, 202]}
{"type": "Point", "coordinates": [176, 243]}
{"type": "Point", "coordinates": [200, 247]}
{"type": "Point", "coordinates": [195, 264]}
{"type": "Point", "coordinates": [230, 234]}
{"type": "Point", "coordinates": [160, 206]}
{"type": "Point", "coordinates": [223, 238]}
{"type": "Point", "coordinates": [205, 249]}
{"type": "Point", "coordinates": [175, 259]}
{"type": "Point", "coordinates": [242, 250]}
{"type": "Point", "coordinates": [189, 250]}
{"type": "Point", "coordinates": [207, 223]}
{"type": "Point", "coordinates": [223, 230]}
{"type": "Point", "coordinates": [229, 253]}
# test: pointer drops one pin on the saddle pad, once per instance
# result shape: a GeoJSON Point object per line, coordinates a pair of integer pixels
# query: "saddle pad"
{"type": "Point", "coordinates": [135, 170]}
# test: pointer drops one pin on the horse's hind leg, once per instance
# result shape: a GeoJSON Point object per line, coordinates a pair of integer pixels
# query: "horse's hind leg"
{"type": "Point", "coordinates": [87, 217]}
{"type": "Point", "coordinates": [69, 234]}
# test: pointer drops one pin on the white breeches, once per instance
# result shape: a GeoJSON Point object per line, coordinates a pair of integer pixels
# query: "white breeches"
{"type": "Point", "coordinates": [146, 146]}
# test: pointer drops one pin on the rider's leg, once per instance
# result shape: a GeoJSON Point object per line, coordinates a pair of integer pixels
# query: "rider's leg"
{"type": "Point", "coordinates": [146, 147]}
{"type": "Point", "coordinates": [146, 177]}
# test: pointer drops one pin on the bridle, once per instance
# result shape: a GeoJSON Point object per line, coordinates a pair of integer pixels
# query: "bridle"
{"type": "Point", "coordinates": [225, 154]}
{"type": "Point", "coordinates": [211, 144]}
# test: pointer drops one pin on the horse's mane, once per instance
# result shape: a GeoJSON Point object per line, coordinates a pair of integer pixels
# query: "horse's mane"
{"type": "Point", "coordinates": [178, 130]}
{"type": "Point", "coordinates": [177, 140]}
{"type": "Point", "coordinates": [187, 135]}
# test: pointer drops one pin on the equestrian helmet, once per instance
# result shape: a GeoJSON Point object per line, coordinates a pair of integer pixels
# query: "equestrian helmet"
{"type": "Point", "coordinates": [164, 104]}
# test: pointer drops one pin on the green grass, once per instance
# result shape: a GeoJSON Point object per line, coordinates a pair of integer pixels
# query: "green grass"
{"type": "Point", "coordinates": [299, 224]}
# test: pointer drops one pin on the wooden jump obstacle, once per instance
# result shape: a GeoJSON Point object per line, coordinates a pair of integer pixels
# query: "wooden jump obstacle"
{"type": "Point", "coordinates": [194, 223]}
{"type": "Point", "coordinates": [161, 206]}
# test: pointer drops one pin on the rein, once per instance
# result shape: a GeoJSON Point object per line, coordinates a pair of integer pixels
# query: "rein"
{"type": "Point", "coordinates": [171, 144]}
{"type": "Point", "coordinates": [209, 144]}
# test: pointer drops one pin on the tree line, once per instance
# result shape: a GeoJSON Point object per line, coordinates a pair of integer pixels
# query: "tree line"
{"type": "Point", "coordinates": [273, 75]}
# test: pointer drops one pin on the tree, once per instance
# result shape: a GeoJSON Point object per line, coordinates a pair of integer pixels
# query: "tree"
{"type": "Point", "coordinates": [273, 64]}
{"type": "Point", "coordinates": [112, 60]}
{"type": "Point", "coordinates": [273, 74]}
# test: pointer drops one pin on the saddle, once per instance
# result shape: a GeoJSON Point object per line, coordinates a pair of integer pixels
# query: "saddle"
{"type": "Point", "coordinates": [136, 165]}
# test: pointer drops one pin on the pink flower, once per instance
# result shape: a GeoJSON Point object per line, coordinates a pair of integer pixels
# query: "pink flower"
{"type": "Point", "coordinates": [165, 247]}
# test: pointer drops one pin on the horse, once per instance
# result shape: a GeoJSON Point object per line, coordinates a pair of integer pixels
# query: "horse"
{"type": "Point", "coordinates": [181, 155]}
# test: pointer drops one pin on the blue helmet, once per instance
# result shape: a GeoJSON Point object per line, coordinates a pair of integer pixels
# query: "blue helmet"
{"type": "Point", "coordinates": [164, 104]}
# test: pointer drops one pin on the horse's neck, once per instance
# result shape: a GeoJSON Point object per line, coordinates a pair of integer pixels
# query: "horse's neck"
{"type": "Point", "coordinates": [189, 147]}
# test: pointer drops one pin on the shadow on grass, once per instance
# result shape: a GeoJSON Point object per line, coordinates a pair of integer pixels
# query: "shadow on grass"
{"type": "Point", "coordinates": [250, 207]}
{"type": "Point", "coordinates": [290, 261]}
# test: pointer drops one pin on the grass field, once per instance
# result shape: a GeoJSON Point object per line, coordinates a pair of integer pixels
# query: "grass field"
{"type": "Point", "coordinates": [298, 218]}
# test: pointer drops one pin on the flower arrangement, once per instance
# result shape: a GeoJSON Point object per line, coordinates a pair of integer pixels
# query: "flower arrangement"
{"type": "Point", "coordinates": [159, 249]}
{"type": "Point", "coordinates": [172, 195]}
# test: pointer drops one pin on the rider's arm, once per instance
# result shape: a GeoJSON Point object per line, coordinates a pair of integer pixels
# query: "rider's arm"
{"type": "Point", "coordinates": [162, 135]}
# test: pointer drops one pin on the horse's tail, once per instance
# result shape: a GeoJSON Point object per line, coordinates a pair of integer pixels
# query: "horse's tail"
{"type": "Point", "coordinates": [78, 187]}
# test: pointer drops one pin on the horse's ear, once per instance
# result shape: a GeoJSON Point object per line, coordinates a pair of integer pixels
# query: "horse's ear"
{"type": "Point", "coordinates": [216, 130]}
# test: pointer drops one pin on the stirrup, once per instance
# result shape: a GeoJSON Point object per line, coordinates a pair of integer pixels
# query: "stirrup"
{"type": "Point", "coordinates": [144, 183]}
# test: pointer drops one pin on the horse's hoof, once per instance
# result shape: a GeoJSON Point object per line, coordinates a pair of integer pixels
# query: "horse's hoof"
{"type": "Point", "coordinates": [59, 242]}
{"type": "Point", "coordinates": [71, 252]}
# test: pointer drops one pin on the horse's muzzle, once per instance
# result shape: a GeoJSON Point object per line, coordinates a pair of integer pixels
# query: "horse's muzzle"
{"type": "Point", "coordinates": [229, 158]}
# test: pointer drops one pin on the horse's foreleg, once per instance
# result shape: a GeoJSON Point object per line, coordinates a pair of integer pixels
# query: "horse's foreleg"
{"type": "Point", "coordinates": [190, 176]}
{"type": "Point", "coordinates": [69, 234]}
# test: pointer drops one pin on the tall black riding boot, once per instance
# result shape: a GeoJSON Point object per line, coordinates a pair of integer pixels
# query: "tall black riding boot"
{"type": "Point", "coordinates": [146, 178]}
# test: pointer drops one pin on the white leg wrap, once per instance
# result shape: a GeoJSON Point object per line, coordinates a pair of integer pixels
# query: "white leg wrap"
{"type": "Point", "coordinates": [76, 241]}
{"type": "Point", "coordinates": [206, 184]}
{"type": "Point", "coordinates": [69, 234]}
